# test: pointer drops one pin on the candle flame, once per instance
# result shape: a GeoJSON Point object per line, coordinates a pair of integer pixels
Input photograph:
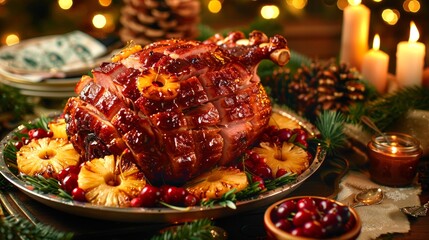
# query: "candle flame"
{"type": "Point", "coordinates": [376, 42]}
{"type": "Point", "coordinates": [394, 150]}
{"type": "Point", "coordinates": [414, 32]}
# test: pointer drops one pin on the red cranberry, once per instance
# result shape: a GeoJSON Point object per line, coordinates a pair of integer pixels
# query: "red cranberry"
{"type": "Point", "coordinates": [259, 180]}
{"type": "Point", "coordinates": [303, 216]}
{"type": "Point", "coordinates": [306, 203]}
{"type": "Point", "coordinates": [78, 194]}
{"type": "Point", "coordinates": [174, 195]}
{"type": "Point", "coordinates": [284, 224]}
{"type": "Point", "coordinates": [39, 133]}
{"type": "Point", "coordinates": [313, 229]}
{"type": "Point", "coordinates": [284, 134]}
{"type": "Point", "coordinates": [284, 209]}
{"type": "Point", "coordinates": [149, 196]}
{"type": "Point", "coordinates": [136, 202]}
{"type": "Point", "coordinates": [263, 171]}
{"type": "Point", "coordinates": [69, 182]}
{"type": "Point", "coordinates": [280, 172]}
{"type": "Point", "coordinates": [190, 200]}
{"type": "Point", "coordinates": [332, 222]}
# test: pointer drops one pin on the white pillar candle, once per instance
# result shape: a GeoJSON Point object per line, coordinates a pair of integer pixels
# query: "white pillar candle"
{"type": "Point", "coordinates": [375, 66]}
{"type": "Point", "coordinates": [355, 30]}
{"type": "Point", "coordinates": [410, 60]}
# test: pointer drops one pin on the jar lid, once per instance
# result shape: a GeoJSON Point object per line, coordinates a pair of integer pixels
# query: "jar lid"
{"type": "Point", "coordinates": [401, 141]}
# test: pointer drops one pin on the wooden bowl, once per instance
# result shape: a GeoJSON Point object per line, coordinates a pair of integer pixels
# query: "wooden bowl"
{"type": "Point", "coordinates": [275, 233]}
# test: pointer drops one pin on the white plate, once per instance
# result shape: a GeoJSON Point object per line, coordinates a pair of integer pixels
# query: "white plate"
{"type": "Point", "coordinates": [165, 215]}
{"type": "Point", "coordinates": [57, 56]}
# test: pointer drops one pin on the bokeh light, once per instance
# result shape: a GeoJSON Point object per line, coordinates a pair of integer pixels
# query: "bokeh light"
{"type": "Point", "coordinates": [297, 4]}
{"type": "Point", "coordinates": [105, 3]}
{"type": "Point", "coordinates": [11, 39]}
{"type": "Point", "coordinates": [99, 21]}
{"type": "Point", "coordinates": [390, 16]}
{"type": "Point", "coordinates": [214, 6]}
{"type": "Point", "coordinates": [65, 4]}
{"type": "Point", "coordinates": [270, 11]}
{"type": "Point", "coordinates": [2, 2]}
{"type": "Point", "coordinates": [341, 4]}
{"type": "Point", "coordinates": [411, 6]}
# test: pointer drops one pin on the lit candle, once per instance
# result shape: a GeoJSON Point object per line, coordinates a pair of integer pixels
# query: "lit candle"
{"type": "Point", "coordinates": [354, 39]}
{"type": "Point", "coordinates": [410, 60]}
{"type": "Point", "coordinates": [375, 66]}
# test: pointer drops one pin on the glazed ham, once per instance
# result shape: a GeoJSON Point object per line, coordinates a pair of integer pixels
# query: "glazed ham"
{"type": "Point", "coordinates": [176, 108]}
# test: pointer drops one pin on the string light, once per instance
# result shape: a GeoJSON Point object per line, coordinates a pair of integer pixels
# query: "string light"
{"type": "Point", "coordinates": [65, 4]}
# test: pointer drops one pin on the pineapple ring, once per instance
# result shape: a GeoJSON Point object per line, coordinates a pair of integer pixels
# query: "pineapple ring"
{"type": "Point", "coordinates": [215, 183]}
{"type": "Point", "coordinates": [46, 157]}
{"type": "Point", "coordinates": [58, 128]}
{"type": "Point", "coordinates": [281, 121]}
{"type": "Point", "coordinates": [109, 181]}
{"type": "Point", "coordinates": [290, 157]}
{"type": "Point", "coordinates": [158, 86]}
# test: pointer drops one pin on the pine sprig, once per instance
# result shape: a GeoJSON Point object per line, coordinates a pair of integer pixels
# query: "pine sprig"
{"type": "Point", "coordinates": [198, 229]}
{"type": "Point", "coordinates": [18, 228]}
{"type": "Point", "coordinates": [331, 127]}
{"type": "Point", "coordinates": [46, 185]}
{"type": "Point", "coordinates": [386, 110]}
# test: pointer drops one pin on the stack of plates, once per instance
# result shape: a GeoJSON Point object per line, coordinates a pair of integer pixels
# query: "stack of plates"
{"type": "Point", "coordinates": [50, 66]}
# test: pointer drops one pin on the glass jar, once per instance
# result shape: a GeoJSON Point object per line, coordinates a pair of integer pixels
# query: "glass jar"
{"type": "Point", "coordinates": [393, 159]}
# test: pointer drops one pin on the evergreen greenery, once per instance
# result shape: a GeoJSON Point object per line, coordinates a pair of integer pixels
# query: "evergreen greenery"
{"type": "Point", "coordinates": [18, 228]}
{"type": "Point", "coordinates": [196, 230]}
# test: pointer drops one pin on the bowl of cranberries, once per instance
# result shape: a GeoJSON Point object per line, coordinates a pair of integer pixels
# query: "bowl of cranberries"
{"type": "Point", "coordinates": [311, 217]}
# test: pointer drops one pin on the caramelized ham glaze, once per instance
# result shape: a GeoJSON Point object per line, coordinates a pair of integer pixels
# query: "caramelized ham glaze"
{"type": "Point", "coordinates": [176, 108]}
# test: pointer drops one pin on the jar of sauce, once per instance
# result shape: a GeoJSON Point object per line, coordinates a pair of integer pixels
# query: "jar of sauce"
{"type": "Point", "coordinates": [393, 159]}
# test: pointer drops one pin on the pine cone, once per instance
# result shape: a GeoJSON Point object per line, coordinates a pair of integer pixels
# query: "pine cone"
{"type": "Point", "coordinates": [325, 87]}
{"type": "Point", "coordinates": [146, 21]}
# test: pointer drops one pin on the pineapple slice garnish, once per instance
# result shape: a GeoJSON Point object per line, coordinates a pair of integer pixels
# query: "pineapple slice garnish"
{"type": "Point", "coordinates": [281, 121]}
{"type": "Point", "coordinates": [289, 157]}
{"type": "Point", "coordinates": [46, 157]}
{"type": "Point", "coordinates": [58, 128]}
{"type": "Point", "coordinates": [158, 86]}
{"type": "Point", "coordinates": [217, 182]}
{"type": "Point", "coordinates": [131, 48]}
{"type": "Point", "coordinates": [109, 181]}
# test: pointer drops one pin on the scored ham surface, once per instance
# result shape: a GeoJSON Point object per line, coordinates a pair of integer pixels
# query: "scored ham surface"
{"type": "Point", "coordinates": [176, 108]}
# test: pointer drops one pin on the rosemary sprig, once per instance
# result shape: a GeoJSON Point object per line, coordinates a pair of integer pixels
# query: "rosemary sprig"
{"type": "Point", "coordinates": [198, 229]}
{"type": "Point", "coordinates": [227, 200]}
{"type": "Point", "coordinates": [42, 122]}
{"type": "Point", "coordinates": [46, 185]}
{"type": "Point", "coordinates": [18, 228]}
{"type": "Point", "coordinates": [254, 189]}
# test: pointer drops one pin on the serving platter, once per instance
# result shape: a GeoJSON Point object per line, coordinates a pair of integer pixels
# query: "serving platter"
{"type": "Point", "coordinates": [162, 214]}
